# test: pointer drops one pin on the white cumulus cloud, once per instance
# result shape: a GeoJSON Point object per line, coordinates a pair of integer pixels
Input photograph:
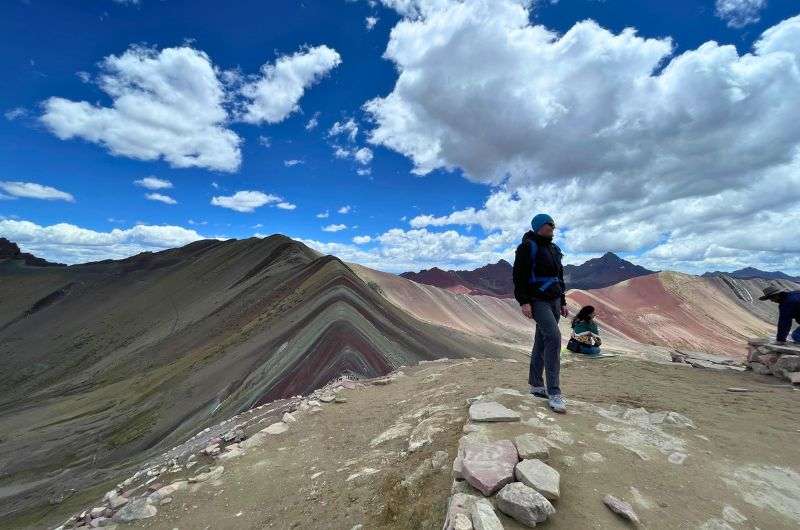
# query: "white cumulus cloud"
{"type": "Point", "coordinates": [165, 104]}
{"type": "Point", "coordinates": [153, 183]}
{"type": "Point", "coordinates": [245, 201]}
{"type": "Point", "coordinates": [333, 227]}
{"type": "Point", "coordinates": [276, 93]}
{"type": "Point", "coordinates": [630, 145]}
{"type": "Point", "coordinates": [68, 243]}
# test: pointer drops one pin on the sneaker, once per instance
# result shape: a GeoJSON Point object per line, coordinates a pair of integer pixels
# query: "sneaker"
{"type": "Point", "coordinates": [558, 404]}
{"type": "Point", "coordinates": [539, 391]}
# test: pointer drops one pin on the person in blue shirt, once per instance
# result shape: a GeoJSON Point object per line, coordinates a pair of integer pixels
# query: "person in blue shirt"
{"type": "Point", "coordinates": [788, 310]}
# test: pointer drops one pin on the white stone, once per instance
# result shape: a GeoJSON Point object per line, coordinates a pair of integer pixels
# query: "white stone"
{"type": "Point", "coordinates": [524, 504]}
{"type": "Point", "coordinates": [491, 411]}
{"type": "Point", "coordinates": [483, 516]}
{"type": "Point", "coordinates": [530, 445]}
{"type": "Point", "coordinates": [593, 458]}
{"type": "Point", "coordinates": [540, 477]}
{"type": "Point", "coordinates": [134, 510]}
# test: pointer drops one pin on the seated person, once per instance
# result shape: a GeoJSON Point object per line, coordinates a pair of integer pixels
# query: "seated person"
{"type": "Point", "coordinates": [585, 335]}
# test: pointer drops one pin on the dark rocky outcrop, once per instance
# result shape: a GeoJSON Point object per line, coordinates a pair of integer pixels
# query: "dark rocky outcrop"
{"type": "Point", "coordinates": [10, 252]}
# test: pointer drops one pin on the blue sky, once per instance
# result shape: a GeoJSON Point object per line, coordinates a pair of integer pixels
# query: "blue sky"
{"type": "Point", "coordinates": [68, 191]}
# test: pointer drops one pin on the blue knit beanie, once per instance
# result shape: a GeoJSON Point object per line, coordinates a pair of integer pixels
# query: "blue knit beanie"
{"type": "Point", "coordinates": [539, 220]}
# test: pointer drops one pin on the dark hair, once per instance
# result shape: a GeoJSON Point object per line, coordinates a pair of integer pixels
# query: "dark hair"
{"type": "Point", "coordinates": [583, 314]}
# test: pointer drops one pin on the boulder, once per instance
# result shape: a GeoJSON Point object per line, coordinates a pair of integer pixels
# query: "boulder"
{"type": "Point", "coordinates": [540, 477]}
{"type": "Point", "coordinates": [524, 504]}
{"type": "Point", "coordinates": [794, 377]}
{"type": "Point", "coordinates": [134, 510]}
{"type": "Point", "coordinates": [491, 411]}
{"type": "Point", "coordinates": [621, 508]}
{"type": "Point", "coordinates": [458, 508]}
{"type": "Point", "coordinates": [531, 446]}
{"type": "Point", "coordinates": [760, 369]}
{"type": "Point", "coordinates": [483, 516]}
{"type": "Point", "coordinates": [117, 501]}
{"type": "Point", "coordinates": [767, 359]}
{"type": "Point", "coordinates": [785, 365]}
{"type": "Point", "coordinates": [234, 435]}
{"type": "Point", "coordinates": [489, 466]}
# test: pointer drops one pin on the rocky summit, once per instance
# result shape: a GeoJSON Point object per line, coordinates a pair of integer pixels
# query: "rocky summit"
{"type": "Point", "coordinates": [665, 447]}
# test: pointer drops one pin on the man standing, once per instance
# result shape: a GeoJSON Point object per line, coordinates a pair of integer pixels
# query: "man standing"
{"type": "Point", "coordinates": [539, 288]}
{"type": "Point", "coordinates": [788, 309]}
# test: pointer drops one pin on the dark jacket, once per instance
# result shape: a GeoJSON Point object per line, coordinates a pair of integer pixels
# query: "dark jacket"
{"type": "Point", "coordinates": [548, 263]}
{"type": "Point", "coordinates": [788, 309]}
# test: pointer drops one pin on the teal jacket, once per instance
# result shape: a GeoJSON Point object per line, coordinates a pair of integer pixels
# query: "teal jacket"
{"type": "Point", "coordinates": [583, 326]}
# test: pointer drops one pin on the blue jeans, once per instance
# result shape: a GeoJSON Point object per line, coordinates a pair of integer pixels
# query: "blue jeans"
{"type": "Point", "coordinates": [796, 334]}
{"type": "Point", "coordinates": [546, 353]}
{"type": "Point", "coordinates": [590, 350]}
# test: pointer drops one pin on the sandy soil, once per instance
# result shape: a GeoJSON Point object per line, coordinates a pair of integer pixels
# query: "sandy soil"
{"type": "Point", "coordinates": [742, 452]}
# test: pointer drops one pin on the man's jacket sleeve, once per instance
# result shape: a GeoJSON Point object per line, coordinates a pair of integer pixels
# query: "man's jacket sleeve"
{"type": "Point", "coordinates": [784, 321]}
{"type": "Point", "coordinates": [561, 281]}
{"type": "Point", "coordinates": [522, 268]}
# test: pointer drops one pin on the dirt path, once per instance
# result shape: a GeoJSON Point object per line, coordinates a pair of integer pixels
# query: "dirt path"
{"type": "Point", "coordinates": [742, 452]}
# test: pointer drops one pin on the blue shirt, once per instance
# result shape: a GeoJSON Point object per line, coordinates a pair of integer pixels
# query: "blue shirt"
{"type": "Point", "coordinates": [787, 310]}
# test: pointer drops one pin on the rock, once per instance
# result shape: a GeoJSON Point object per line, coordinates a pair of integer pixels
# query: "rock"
{"type": "Point", "coordinates": [491, 411]}
{"type": "Point", "coordinates": [458, 507]}
{"type": "Point", "coordinates": [760, 369]}
{"type": "Point", "coordinates": [288, 417]}
{"type": "Point", "coordinates": [214, 473]}
{"type": "Point", "coordinates": [439, 460]}
{"type": "Point", "coordinates": [785, 365]}
{"type": "Point", "coordinates": [489, 466]}
{"type": "Point", "coordinates": [540, 477]}
{"type": "Point", "coordinates": [678, 357]}
{"type": "Point", "coordinates": [235, 435]}
{"type": "Point", "coordinates": [99, 511]}
{"type": "Point", "coordinates": [794, 377]}
{"type": "Point", "coordinates": [313, 403]}
{"type": "Point", "coordinates": [117, 501]}
{"type": "Point", "coordinates": [462, 522]}
{"type": "Point", "coordinates": [422, 434]}
{"type": "Point", "coordinates": [395, 431]}
{"type": "Point", "coordinates": [165, 501]}
{"type": "Point", "coordinates": [231, 451]}
{"type": "Point", "coordinates": [276, 428]}
{"type": "Point", "coordinates": [679, 420]}
{"type": "Point", "coordinates": [732, 515]}
{"type": "Point", "coordinates": [135, 509]}
{"type": "Point", "coordinates": [531, 446]}
{"type": "Point", "coordinates": [102, 522]}
{"type": "Point", "coordinates": [524, 504]}
{"type": "Point", "coordinates": [256, 440]}
{"type": "Point", "coordinates": [677, 458]}
{"type": "Point", "coordinates": [767, 359]}
{"type": "Point", "coordinates": [483, 516]}
{"type": "Point", "coordinates": [211, 450]}
{"type": "Point", "coordinates": [593, 458]}
{"type": "Point", "coordinates": [327, 398]}
{"type": "Point", "coordinates": [621, 508]}
{"type": "Point", "coordinates": [462, 486]}
{"type": "Point", "coordinates": [737, 389]}
{"type": "Point", "coordinates": [340, 399]}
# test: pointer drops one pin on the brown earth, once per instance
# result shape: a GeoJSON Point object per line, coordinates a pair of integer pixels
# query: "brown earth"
{"type": "Point", "coordinates": [742, 452]}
